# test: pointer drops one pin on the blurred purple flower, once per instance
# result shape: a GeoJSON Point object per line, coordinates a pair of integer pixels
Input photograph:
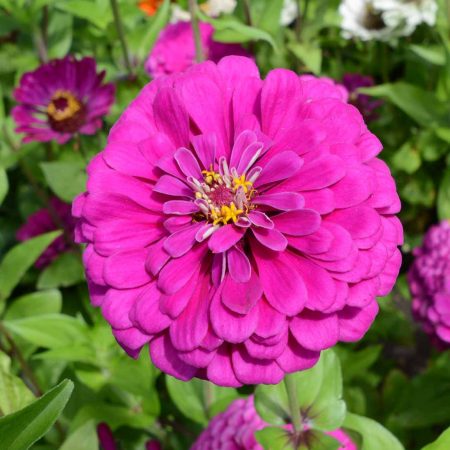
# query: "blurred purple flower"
{"type": "Point", "coordinates": [366, 104]}
{"type": "Point", "coordinates": [153, 445]}
{"type": "Point", "coordinates": [61, 98]}
{"type": "Point", "coordinates": [174, 50]}
{"type": "Point", "coordinates": [105, 437]}
{"type": "Point", "coordinates": [429, 282]}
{"type": "Point", "coordinates": [42, 222]}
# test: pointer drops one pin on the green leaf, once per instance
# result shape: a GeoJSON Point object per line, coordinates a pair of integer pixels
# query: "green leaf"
{"type": "Point", "coordinates": [319, 441]}
{"type": "Point", "coordinates": [89, 10]}
{"type": "Point", "coordinates": [35, 304]}
{"type": "Point", "coordinates": [443, 133]}
{"type": "Point", "coordinates": [374, 435]}
{"type": "Point", "coordinates": [273, 438]}
{"type": "Point", "coordinates": [407, 158]}
{"type": "Point", "coordinates": [422, 106]}
{"type": "Point", "coordinates": [310, 54]}
{"type": "Point", "coordinates": [231, 30]}
{"type": "Point", "coordinates": [84, 437]}
{"type": "Point", "coordinates": [432, 54]}
{"type": "Point", "coordinates": [66, 179]}
{"type": "Point", "coordinates": [14, 394]}
{"type": "Point", "coordinates": [443, 197]}
{"type": "Point", "coordinates": [19, 259]}
{"type": "Point", "coordinates": [319, 391]}
{"type": "Point", "coordinates": [199, 400]}
{"type": "Point", "coordinates": [441, 443]}
{"type": "Point", "coordinates": [4, 185]}
{"type": "Point", "coordinates": [49, 330]}
{"type": "Point", "coordinates": [20, 430]}
{"type": "Point", "coordinates": [266, 14]}
{"type": "Point", "coordinates": [147, 40]}
{"type": "Point", "coordinates": [59, 34]}
{"type": "Point", "coordinates": [66, 270]}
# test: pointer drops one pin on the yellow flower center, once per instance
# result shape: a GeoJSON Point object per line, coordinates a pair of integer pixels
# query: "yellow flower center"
{"type": "Point", "coordinates": [63, 105]}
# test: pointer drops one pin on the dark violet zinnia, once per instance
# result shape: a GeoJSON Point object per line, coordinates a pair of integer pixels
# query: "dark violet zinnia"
{"type": "Point", "coordinates": [61, 98]}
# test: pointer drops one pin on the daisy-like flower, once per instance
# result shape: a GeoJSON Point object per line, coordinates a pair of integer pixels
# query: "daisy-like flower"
{"type": "Point", "coordinates": [238, 226]}
{"type": "Point", "coordinates": [385, 20]}
{"type": "Point", "coordinates": [406, 15]}
{"type": "Point", "coordinates": [289, 12]}
{"type": "Point", "coordinates": [362, 19]}
{"type": "Point", "coordinates": [212, 8]}
{"type": "Point", "coordinates": [235, 428]}
{"type": "Point", "coordinates": [174, 50]}
{"type": "Point", "coordinates": [44, 221]}
{"type": "Point", "coordinates": [61, 98]}
{"type": "Point", "coordinates": [429, 282]}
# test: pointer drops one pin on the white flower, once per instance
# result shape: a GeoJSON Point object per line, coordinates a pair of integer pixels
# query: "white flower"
{"type": "Point", "coordinates": [408, 14]}
{"type": "Point", "coordinates": [215, 8]}
{"type": "Point", "coordinates": [385, 19]}
{"type": "Point", "coordinates": [211, 8]}
{"type": "Point", "coordinates": [289, 12]}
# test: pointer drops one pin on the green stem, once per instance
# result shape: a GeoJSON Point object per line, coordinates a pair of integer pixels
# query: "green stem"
{"type": "Point", "coordinates": [121, 33]}
{"type": "Point", "coordinates": [208, 397]}
{"type": "Point", "coordinates": [294, 406]}
{"type": "Point", "coordinates": [199, 55]}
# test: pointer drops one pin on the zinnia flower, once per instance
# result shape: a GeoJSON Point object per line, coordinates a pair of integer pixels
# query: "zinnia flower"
{"type": "Point", "coordinates": [238, 225]}
{"type": "Point", "coordinates": [44, 221]}
{"type": "Point", "coordinates": [235, 429]}
{"type": "Point", "coordinates": [366, 104]}
{"type": "Point", "coordinates": [61, 98]}
{"type": "Point", "coordinates": [174, 50]}
{"type": "Point", "coordinates": [384, 20]}
{"type": "Point", "coordinates": [429, 281]}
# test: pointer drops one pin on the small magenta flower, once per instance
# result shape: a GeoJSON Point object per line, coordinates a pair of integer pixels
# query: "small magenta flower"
{"type": "Point", "coordinates": [44, 221]}
{"type": "Point", "coordinates": [61, 98]}
{"type": "Point", "coordinates": [366, 104]}
{"type": "Point", "coordinates": [174, 50]}
{"type": "Point", "coordinates": [235, 428]}
{"type": "Point", "coordinates": [238, 226]}
{"type": "Point", "coordinates": [429, 282]}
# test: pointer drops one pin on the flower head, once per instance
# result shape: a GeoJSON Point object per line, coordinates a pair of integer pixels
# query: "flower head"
{"type": "Point", "coordinates": [61, 98]}
{"type": "Point", "coordinates": [174, 50]}
{"type": "Point", "coordinates": [384, 20]}
{"type": "Point", "coordinates": [237, 425]}
{"type": "Point", "coordinates": [366, 104]}
{"type": "Point", "coordinates": [238, 225]}
{"type": "Point", "coordinates": [150, 7]}
{"type": "Point", "coordinates": [429, 281]}
{"type": "Point", "coordinates": [45, 220]}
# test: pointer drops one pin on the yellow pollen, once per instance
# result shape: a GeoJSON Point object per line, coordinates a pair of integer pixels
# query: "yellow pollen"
{"type": "Point", "coordinates": [241, 181]}
{"type": "Point", "coordinates": [210, 176]}
{"type": "Point", "coordinates": [226, 214]}
{"type": "Point", "coordinates": [69, 110]}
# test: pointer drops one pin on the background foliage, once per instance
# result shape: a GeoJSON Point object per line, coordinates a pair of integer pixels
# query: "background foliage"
{"type": "Point", "coordinates": [49, 333]}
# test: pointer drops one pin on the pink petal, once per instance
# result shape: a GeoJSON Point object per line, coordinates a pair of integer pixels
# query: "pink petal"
{"type": "Point", "coordinates": [187, 163]}
{"type": "Point", "coordinates": [260, 219]}
{"type": "Point", "coordinates": [359, 221]}
{"type": "Point", "coordinates": [354, 322]}
{"type": "Point", "coordinates": [271, 239]}
{"type": "Point", "coordinates": [180, 242]}
{"type": "Point", "coordinates": [283, 201]}
{"type": "Point", "coordinates": [280, 166]}
{"type": "Point", "coordinates": [224, 238]}
{"type": "Point", "coordinates": [282, 284]}
{"type": "Point", "coordinates": [165, 357]}
{"type": "Point", "coordinates": [169, 185]}
{"type": "Point", "coordinates": [220, 370]}
{"type": "Point", "coordinates": [180, 207]}
{"type": "Point", "coordinates": [156, 257]}
{"type": "Point", "coordinates": [131, 340]}
{"type": "Point", "coordinates": [205, 148]}
{"type": "Point", "coordinates": [314, 330]}
{"type": "Point", "coordinates": [296, 358]}
{"type": "Point", "coordinates": [270, 322]}
{"type": "Point", "coordinates": [126, 269]}
{"type": "Point", "coordinates": [241, 143]}
{"type": "Point", "coordinates": [297, 223]}
{"type": "Point", "coordinates": [238, 265]}
{"type": "Point", "coordinates": [241, 297]}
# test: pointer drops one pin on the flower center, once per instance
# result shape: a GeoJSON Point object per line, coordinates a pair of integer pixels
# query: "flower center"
{"type": "Point", "coordinates": [65, 112]}
{"type": "Point", "coordinates": [224, 197]}
{"type": "Point", "coordinates": [372, 19]}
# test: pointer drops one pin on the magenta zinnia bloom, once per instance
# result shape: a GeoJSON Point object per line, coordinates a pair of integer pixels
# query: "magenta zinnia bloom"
{"type": "Point", "coordinates": [238, 225]}
{"type": "Point", "coordinates": [235, 428]}
{"type": "Point", "coordinates": [44, 221]}
{"type": "Point", "coordinates": [367, 105]}
{"type": "Point", "coordinates": [429, 281]}
{"type": "Point", "coordinates": [174, 50]}
{"type": "Point", "coordinates": [61, 98]}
